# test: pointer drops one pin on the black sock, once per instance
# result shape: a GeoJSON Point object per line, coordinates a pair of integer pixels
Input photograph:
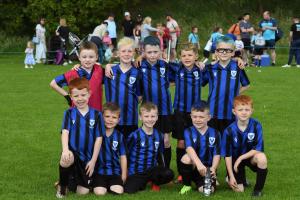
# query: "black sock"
{"type": "Point", "coordinates": [261, 176]}
{"type": "Point", "coordinates": [259, 63]}
{"type": "Point", "coordinates": [179, 153]}
{"type": "Point", "coordinates": [186, 173]}
{"type": "Point", "coordinates": [64, 176]}
{"type": "Point", "coordinates": [167, 156]}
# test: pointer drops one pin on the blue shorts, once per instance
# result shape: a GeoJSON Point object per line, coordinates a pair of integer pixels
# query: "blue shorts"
{"type": "Point", "coordinates": [270, 44]}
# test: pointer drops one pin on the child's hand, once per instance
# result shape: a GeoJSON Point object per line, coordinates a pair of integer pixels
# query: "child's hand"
{"type": "Point", "coordinates": [240, 63]}
{"type": "Point", "coordinates": [76, 67]}
{"type": "Point", "coordinates": [201, 169]}
{"type": "Point", "coordinates": [200, 65]}
{"type": "Point", "coordinates": [90, 168]}
{"type": "Point", "coordinates": [124, 177]}
{"type": "Point", "coordinates": [108, 71]}
{"type": "Point", "coordinates": [232, 183]}
{"type": "Point", "coordinates": [213, 172]}
{"type": "Point", "coordinates": [138, 61]}
{"type": "Point", "coordinates": [236, 164]}
{"type": "Point", "coordinates": [66, 156]}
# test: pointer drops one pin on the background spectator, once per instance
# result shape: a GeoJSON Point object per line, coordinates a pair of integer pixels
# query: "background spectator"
{"type": "Point", "coordinates": [40, 54]}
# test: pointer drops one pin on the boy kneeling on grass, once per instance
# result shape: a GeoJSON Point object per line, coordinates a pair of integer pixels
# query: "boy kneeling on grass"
{"type": "Point", "coordinates": [145, 147]}
{"type": "Point", "coordinates": [242, 145]}
{"type": "Point", "coordinates": [203, 145]}
{"type": "Point", "coordinates": [81, 138]}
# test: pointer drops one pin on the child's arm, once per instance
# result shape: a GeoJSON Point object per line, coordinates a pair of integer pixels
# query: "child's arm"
{"type": "Point", "coordinates": [245, 156]}
{"type": "Point", "coordinates": [244, 88]}
{"type": "Point", "coordinates": [244, 81]}
{"type": "Point", "coordinates": [215, 164]}
{"type": "Point", "coordinates": [199, 165]}
{"type": "Point", "coordinates": [66, 153]}
{"type": "Point", "coordinates": [232, 182]}
{"type": "Point", "coordinates": [61, 91]}
{"type": "Point", "coordinates": [90, 166]}
{"type": "Point", "coordinates": [124, 167]}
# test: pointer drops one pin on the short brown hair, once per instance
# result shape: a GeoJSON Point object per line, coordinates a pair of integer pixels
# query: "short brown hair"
{"type": "Point", "coordinates": [88, 46]}
{"type": "Point", "coordinates": [147, 106]}
{"type": "Point", "coordinates": [112, 107]}
{"type": "Point", "coordinates": [189, 47]}
{"type": "Point", "coordinates": [79, 83]}
{"type": "Point", "coordinates": [242, 100]}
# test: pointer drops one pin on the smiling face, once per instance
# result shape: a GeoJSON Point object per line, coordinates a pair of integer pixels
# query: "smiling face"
{"type": "Point", "coordinates": [152, 53]}
{"type": "Point", "coordinates": [200, 119]}
{"type": "Point", "coordinates": [88, 57]}
{"type": "Point", "coordinates": [111, 119]}
{"type": "Point", "coordinates": [224, 51]}
{"type": "Point", "coordinates": [148, 118]}
{"type": "Point", "coordinates": [188, 58]}
{"type": "Point", "coordinates": [80, 98]}
{"type": "Point", "coordinates": [243, 112]}
{"type": "Point", "coordinates": [126, 53]}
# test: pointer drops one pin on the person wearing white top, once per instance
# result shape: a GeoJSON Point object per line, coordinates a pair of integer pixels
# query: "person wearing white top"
{"type": "Point", "coordinates": [40, 54]}
{"type": "Point", "coordinates": [112, 29]}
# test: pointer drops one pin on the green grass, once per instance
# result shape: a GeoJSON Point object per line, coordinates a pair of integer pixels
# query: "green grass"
{"type": "Point", "coordinates": [31, 115]}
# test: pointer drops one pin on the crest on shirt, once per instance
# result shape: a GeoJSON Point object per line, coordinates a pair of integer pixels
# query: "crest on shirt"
{"type": "Point", "coordinates": [156, 145]}
{"type": "Point", "coordinates": [194, 140]}
{"type": "Point", "coordinates": [142, 143]}
{"type": "Point", "coordinates": [233, 74]}
{"type": "Point", "coordinates": [92, 123]}
{"type": "Point", "coordinates": [73, 121]}
{"type": "Point", "coordinates": [251, 136]}
{"type": "Point", "coordinates": [115, 145]}
{"type": "Point", "coordinates": [235, 139]}
{"type": "Point", "coordinates": [181, 75]}
{"type": "Point", "coordinates": [215, 74]}
{"type": "Point", "coordinates": [162, 71]}
{"type": "Point", "coordinates": [196, 74]}
{"type": "Point", "coordinates": [143, 70]}
{"type": "Point", "coordinates": [131, 80]}
{"type": "Point", "coordinates": [211, 140]}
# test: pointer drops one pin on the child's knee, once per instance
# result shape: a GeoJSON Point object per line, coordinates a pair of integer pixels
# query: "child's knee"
{"type": "Point", "coordinates": [261, 160]}
{"type": "Point", "coordinates": [82, 190]}
{"type": "Point", "coordinates": [186, 159]}
{"type": "Point", "coordinates": [118, 189]}
{"type": "Point", "coordinates": [100, 191]}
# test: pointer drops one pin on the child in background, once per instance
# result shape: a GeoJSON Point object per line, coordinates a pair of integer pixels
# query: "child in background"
{"type": "Point", "coordinates": [137, 38]}
{"type": "Point", "coordinates": [29, 59]}
{"type": "Point", "coordinates": [166, 36]}
{"type": "Point", "coordinates": [258, 42]}
{"type": "Point", "coordinates": [109, 53]}
{"type": "Point", "coordinates": [194, 38]}
{"type": "Point", "coordinates": [159, 35]}
{"type": "Point", "coordinates": [239, 46]}
{"type": "Point", "coordinates": [106, 40]}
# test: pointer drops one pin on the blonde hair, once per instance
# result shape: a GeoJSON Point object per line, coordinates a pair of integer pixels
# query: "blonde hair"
{"type": "Point", "coordinates": [62, 22]}
{"type": "Point", "coordinates": [30, 45]}
{"type": "Point", "coordinates": [147, 20]}
{"type": "Point", "coordinates": [126, 41]}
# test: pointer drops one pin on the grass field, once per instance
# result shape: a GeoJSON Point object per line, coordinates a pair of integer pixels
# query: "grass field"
{"type": "Point", "coordinates": [31, 115]}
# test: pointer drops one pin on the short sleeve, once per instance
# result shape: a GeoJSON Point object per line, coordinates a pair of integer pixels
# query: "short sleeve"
{"type": "Point", "coordinates": [190, 37]}
{"type": "Point", "coordinates": [259, 143]}
{"type": "Point", "coordinates": [260, 24]}
{"type": "Point", "coordinates": [188, 138]}
{"type": "Point", "coordinates": [122, 149]}
{"type": "Point", "coordinates": [66, 124]}
{"type": "Point", "coordinates": [244, 78]}
{"type": "Point", "coordinates": [226, 148]}
{"type": "Point", "coordinates": [217, 148]}
{"type": "Point", "coordinates": [100, 129]}
{"type": "Point", "coordinates": [61, 80]}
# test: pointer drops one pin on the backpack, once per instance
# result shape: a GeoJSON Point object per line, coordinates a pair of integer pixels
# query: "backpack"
{"type": "Point", "coordinates": [235, 29]}
{"type": "Point", "coordinates": [278, 34]}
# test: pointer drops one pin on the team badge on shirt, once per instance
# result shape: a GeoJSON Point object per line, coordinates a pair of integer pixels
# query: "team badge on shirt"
{"type": "Point", "coordinates": [115, 145]}
{"type": "Point", "coordinates": [131, 80]}
{"type": "Point", "coordinates": [194, 140]}
{"type": "Point", "coordinates": [142, 143]}
{"type": "Point", "coordinates": [73, 121]}
{"type": "Point", "coordinates": [233, 74]}
{"type": "Point", "coordinates": [92, 123]}
{"type": "Point", "coordinates": [211, 141]}
{"type": "Point", "coordinates": [251, 136]}
{"type": "Point", "coordinates": [156, 145]}
{"type": "Point", "coordinates": [196, 74]}
{"type": "Point", "coordinates": [162, 71]}
{"type": "Point", "coordinates": [181, 75]}
{"type": "Point", "coordinates": [235, 139]}
{"type": "Point", "coordinates": [143, 70]}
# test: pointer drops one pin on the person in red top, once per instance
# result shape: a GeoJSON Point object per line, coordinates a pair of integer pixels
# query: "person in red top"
{"type": "Point", "coordinates": [89, 69]}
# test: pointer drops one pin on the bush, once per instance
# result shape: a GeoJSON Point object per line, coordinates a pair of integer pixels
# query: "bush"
{"type": "Point", "coordinates": [11, 43]}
